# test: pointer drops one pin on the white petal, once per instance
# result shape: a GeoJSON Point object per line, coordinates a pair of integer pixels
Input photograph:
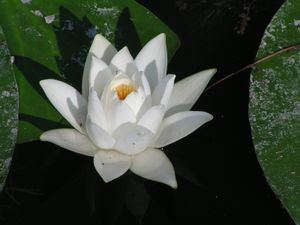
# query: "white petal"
{"type": "Point", "coordinates": [152, 60]}
{"type": "Point", "coordinates": [70, 139]}
{"type": "Point", "coordinates": [99, 136]}
{"type": "Point", "coordinates": [95, 110]}
{"type": "Point", "coordinates": [135, 100]}
{"type": "Point", "coordinates": [187, 91]}
{"type": "Point", "coordinates": [144, 107]}
{"type": "Point", "coordinates": [103, 50]}
{"type": "Point", "coordinates": [68, 102]}
{"type": "Point", "coordinates": [153, 164]}
{"type": "Point", "coordinates": [141, 80]}
{"type": "Point", "coordinates": [119, 113]}
{"type": "Point", "coordinates": [99, 75]}
{"type": "Point", "coordinates": [152, 118]}
{"type": "Point", "coordinates": [180, 125]}
{"type": "Point", "coordinates": [123, 61]}
{"type": "Point", "coordinates": [132, 138]}
{"type": "Point", "coordinates": [111, 164]}
{"type": "Point", "coordinates": [163, 91]}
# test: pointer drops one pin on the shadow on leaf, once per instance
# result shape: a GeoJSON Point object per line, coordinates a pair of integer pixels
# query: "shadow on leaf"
{"type": "Point", "coordinates": [41, 123]}
{"type": "Point", "coordinates": [74, 38]}
{"type": "Point", "coordinates": [34, 72]}
{"type": "Point", "coordinates": [126, 35]}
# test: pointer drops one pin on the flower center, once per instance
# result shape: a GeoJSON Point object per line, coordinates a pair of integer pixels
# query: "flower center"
{"type": "Point", "coordinates": [123, 90]}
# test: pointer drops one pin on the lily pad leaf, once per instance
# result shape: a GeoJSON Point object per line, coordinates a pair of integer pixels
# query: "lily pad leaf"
{"type": "Point", "coordinates": [8, 109]}
{"type": "Point", "coordinates": [52, 41]}
{"type": "Point", "coordinates": [275, 107]}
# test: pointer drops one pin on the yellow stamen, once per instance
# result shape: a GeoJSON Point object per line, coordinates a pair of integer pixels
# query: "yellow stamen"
{"type": "Point", "coordinates": [124, 90]}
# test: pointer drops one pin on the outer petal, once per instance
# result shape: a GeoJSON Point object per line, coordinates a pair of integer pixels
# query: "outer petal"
{"type": "Point", "coordinates": [153, 164]}
{"type": "Point", "coordinates": [102, 49]}
{"type": "Point", "coordinates": [152, 59]}
{"type": "Point", "coordinates": [99, 75]}
{"type": "Point", "coordinates": [132, 139]}
{"type": "Point", "coordinates": [70, 139]}
{"type": "Point", "coordinates": [68, 102]}
{"type": "Point", "coordinates": [123, 61]}
{"type": "Point", "coordinates": [111, 164]}
{"type": "Point", "coordinates": [152, 118]}
{"type": "Point", "coordinates": [180, 125]}
{"type": "Point", "coordinates": [163, 91]}
{"type": "Point", "coordinates": [99, 136]}
{"type": "Point", "coordinates": [187, 91]}
{"type": "Point", "coordinates": [95, 110]}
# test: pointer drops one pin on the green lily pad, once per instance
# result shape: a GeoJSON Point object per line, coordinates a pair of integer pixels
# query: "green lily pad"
{"type": "Point", "coordinates": [275, 107]}
{"type": "Point", "coordinates": [52, 41]}
{"type": "Point", "coordinates": [8, 109]}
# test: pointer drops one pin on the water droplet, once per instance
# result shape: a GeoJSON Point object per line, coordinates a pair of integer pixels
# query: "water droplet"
{"type": "Point", "coordinates": [12, 59]}
{"type": "Point", "coordinates": [49, 19]}
{"type": "Point", "coordinates": [26, 1]}
{"type": "Point", "coordinates": [141, 133]}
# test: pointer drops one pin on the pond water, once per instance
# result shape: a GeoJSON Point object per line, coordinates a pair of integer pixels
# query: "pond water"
{"type": "Point", "coordinates": [220, 180]}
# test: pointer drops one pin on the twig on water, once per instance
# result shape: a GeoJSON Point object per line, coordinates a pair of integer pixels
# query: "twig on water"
{"type": "Point", "coordinates": [249, 66]}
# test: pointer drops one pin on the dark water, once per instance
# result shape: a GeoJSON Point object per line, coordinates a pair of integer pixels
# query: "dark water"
{"type": "Point", "coordinates": [220, 180]}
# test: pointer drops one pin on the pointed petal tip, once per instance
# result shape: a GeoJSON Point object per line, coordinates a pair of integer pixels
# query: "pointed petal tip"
{"type": "Point", "coordinates": [206, 75]}
{"type": "Point", "coordinates": [94, 58]}
{"type": "Point", "coordinates": [106, 180]}
{"type": "Point", "coordinates": [41, 82]}
{"type": "Point", "coordinates": [45, 82]}
{"type": "Point", "coordinates": [173, 76]}
{"type": "Point", "coordinates": [209, 73]}
{"type": "Point", "coordinates": [102, 48]}
{"type": "Point", "coordinates": [111, 164]}
{"type": "Point", "coordinates": [70, 139]}
{"type": "Point", "coordinates": [46, 136]}
{"type": "Point", "coordinates": [125, 48]}
{"type": "Point", "coordinates": [161, 36]}
{"type": "Point", "coordinates": [212, 70]}
{"type": "Point", "coordinates": [99, 37]}
{"type": "Point", "coordinates": [179, 125]}
{"type": "Point", "coordinates": [209, 117]}
{"type": "Point", "coordinates": [159, 39]}
{"type": "Point", "coordinates": [173, 184]}
{"type": "Point", "coordinates": [187, 91]}
{"type": "Point", "coordinates": [154, 165]}
{"type": "Point", "coordinates": [43, 137]}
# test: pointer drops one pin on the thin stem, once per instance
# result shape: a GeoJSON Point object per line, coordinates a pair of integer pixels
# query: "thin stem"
{"type": "Point", "coordinates": [249, 66]}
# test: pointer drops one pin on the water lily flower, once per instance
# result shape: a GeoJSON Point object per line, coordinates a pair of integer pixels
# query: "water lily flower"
{"type": "Point", "coordinates": [128, 110]}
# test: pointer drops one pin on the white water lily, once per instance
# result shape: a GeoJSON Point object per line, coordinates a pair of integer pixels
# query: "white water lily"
{"type": "Point", "coordinates": [128, 110]}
